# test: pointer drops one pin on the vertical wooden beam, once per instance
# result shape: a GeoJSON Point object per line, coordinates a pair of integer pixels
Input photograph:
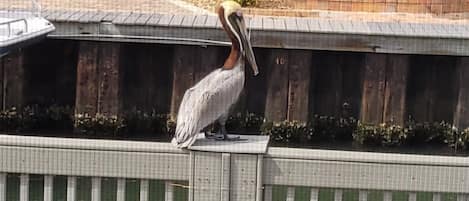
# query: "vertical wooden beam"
{"type": "Point", "coordinates": [87, 78]}
{"type": "Point", "coordinates": [168, 191]}
{"type": "Point", "coordinates": [363, 196]}
{"type": "Point", "coordinates": [290, 194]}
{"type": "Point", "coordinates": [3, 186]}
{"type": "Point", "coordinates": [225, 177]}
{"type": "Point", "coordinates": [144, 189]}
{"type": "Point", "coordinates": [267, 193]}
{"type": "Point", "coordinates": [109, 77]}
{"type": "Point", "coordinates": [24, 187]}
{"type": "Point", "coordinates": [95, 189]}
{"type": "Point", "coordinates": [461, 114]}
{"type": "Point", "coordinates": [328, 81]}
{"type": "Point", "coordinates": [277, 86]}
{"type": "Point", "coordinates": [338, 194]}
{"type": "Point", "coordinates": [71, 188]}
{"type": "Point", "coordinates": [184, 60]}
{"type": "Point", "coordinates": [99, 79]}
{"type": "Point", "coordinates": [299, 73]}
{"type": "Point", "coordinates": [396, 89]}
{"type": "Point", "coordinates": [48, 187]}
{"type": "Point", "coordinates": [120, 189]}
{"type": "Point", "coordinates": [373, 89]}
{"type": "Point", "coordinates": [13, 80]}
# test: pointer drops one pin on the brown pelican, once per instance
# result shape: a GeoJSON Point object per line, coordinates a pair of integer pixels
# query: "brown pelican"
{"type": "Point", "coordinates": [211, 98]}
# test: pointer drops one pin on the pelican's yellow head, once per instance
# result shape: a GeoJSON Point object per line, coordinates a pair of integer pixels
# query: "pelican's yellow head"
{"type": "Point", "coordinates": [232, 19]}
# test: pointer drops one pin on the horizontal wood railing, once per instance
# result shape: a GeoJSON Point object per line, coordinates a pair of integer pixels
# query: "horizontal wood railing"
{"type": "Point", "coordinates": [92, 159]}
{"type": "Point", "coordinates": [283, 172]}
{"type": "Point", "coordinates": [364, 173]}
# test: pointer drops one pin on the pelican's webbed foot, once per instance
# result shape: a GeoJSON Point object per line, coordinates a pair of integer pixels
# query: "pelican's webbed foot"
{"type": "Point", "coordinates": [222, 134]}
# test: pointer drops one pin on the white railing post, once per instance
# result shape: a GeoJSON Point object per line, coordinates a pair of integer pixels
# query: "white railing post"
{"type": "Point", "coordinates": [144, 188]}
{"type": "Point", "coordinates": [436, 196]}
{"type": "Point", "coordinates": [387, 196]}
{"type": "Point", "coordinates": [291, 194]}
{"type": "Point", "coordinates": [96, 189]}
{"type": "Point", "coordinates": [412, 196]}
{"type": "Point", "coordinates": [362, 195]}
{"type": "Point", "coordinates": [48, 187]}
{"type": "Point", "coordinates": [267, 193]}
{"type": "Point", "coordinates": [168, 191]}
{"type": "Point", "coordinates": [3, 186]}
{"type": "Point", "coordinates": [71, 188]}
{"type": "Point", "coordinates": [225, 176]}
{"type": "Point", "coordinates": [463, 197]}
{"type": "Point", "coordinates": [120, 189]}
{"type": "Point", "coordinates": [314, 195]}
{"type": "Point", "coordinates": [24, 187]}
{"type": "Point", "coordinates": [338, 194]}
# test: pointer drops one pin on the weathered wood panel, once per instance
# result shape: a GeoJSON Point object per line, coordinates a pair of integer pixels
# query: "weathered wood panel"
{"type": "Point", "coordinates": [299, 78]}
{"type": "Point", "coordinates": [328, 83]}
{"type": "Point", "coordinates": [13, 80]}
{"type": "Point", "coordinates": [147, 77]}
{"type": "Point", "coordinates": [87, 78]}
{"type": "Point", "coordinates": [277, 85]}
{"type": "Point", "coordinates": [109, 79]}
{"type": "Point", "coordinates": [184, 59]}
{"type": "Point", "coordinates": [431, 88]}
{"type": "Point", "coordinates": [50, 73]}
{"type": "Point", "coordinates": [374, 81]}
{"type": "Point", "coordinates": [461, 114]}
{"type": "Point", "coordinates": [256, 86]}
{"type": "Point", "coordinates": [396, 88]}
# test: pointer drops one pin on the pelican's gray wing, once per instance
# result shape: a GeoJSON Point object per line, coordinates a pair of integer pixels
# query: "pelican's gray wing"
{"type": "Point", "coordinates": [201, 106]}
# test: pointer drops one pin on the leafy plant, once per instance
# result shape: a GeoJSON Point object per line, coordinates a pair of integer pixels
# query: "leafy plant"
{"type": "Point", "coordinates": [246, 2]}
{"type": "Point", "coordinates": [287, 131]}
{"type": "Point", "coordinates": [99, 124]}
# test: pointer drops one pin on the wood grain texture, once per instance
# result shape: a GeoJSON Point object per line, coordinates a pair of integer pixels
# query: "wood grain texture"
{"type": "Point", "coordinates": [13, 80]}
{"type": "Point", "coordinates": [373, 89]}
{"type": "Point", "coordinates": [328, 83]}
{"type": "Point", "coordinates": [299, 75]}
{"type": "Point", "coordinates": [396, 89]}
{"type": "Point", "coordinates": [148, 73]}
{"type": "Point", "coordinates": [183, 75]}
{"type": "Point", "coordinates": [87, 79]}
{"type": "Point", "coordinates": [277, 85]}
{"type": "Point", "coordinates": [461, 114]}
{"type": "Point", "coordinates": [109, 79]}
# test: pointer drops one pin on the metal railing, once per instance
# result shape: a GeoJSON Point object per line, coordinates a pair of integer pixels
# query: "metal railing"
{"type": "Point", "coordinates": [229, 176]}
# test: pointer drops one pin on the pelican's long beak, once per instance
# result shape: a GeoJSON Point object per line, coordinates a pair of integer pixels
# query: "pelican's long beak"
{"type": "Point", "coordinates": [246, 45]}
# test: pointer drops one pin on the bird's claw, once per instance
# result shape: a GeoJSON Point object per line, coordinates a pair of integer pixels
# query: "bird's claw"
{"type": "Point", "coordinates": [226, 138]}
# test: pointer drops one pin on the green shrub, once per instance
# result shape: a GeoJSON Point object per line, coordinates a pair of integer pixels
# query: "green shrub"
{"type": "Point", "coordinates": [99, 124]}
{"type": "Point", "coordinates": [10, 120]}
{"type": "Point", "coordinates": [246, 2]}
{"type": "Point", "coordinates": [331, 128]}
{"type": "Point", "coordinates": [142, 122]}
{"type": "Point", "coordinates": [436, 133]}
{"type": "Point", "coordinates": [368, 134]}
{"type": "Point", "coordinates": [243, 123]}
{"type": "Point", "coordinates": [288, 131]}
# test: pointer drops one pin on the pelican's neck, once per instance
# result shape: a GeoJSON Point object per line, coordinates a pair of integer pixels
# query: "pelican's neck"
{"type": "Point", "coordinates": [233, 58]}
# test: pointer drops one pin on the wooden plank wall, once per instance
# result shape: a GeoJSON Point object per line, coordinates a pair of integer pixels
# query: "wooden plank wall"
{"type": "Point", "coordinates": [114, 78]}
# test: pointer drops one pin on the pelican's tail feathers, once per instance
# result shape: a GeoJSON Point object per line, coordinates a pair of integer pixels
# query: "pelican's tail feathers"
{"type": "Point", "coordinates": [184, 144]}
